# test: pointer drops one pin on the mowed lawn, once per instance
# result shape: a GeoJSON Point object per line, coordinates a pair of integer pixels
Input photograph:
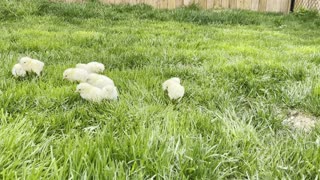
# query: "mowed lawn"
{"type": "Point", "coordinates": [243, 73]}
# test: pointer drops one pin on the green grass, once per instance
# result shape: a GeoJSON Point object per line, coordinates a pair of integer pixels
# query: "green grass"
{"type": "Point", "coordinates": [243, 72]}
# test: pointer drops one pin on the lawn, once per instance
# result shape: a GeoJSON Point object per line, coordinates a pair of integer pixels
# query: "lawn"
{"type": "Point", "coordinates": [243, 73]}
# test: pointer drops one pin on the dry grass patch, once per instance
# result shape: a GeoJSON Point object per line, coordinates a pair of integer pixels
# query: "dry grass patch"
{"type": "Point", "coordinates": [300, 121]}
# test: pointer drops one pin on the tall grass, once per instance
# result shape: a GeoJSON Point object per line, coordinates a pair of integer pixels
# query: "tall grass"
{"type": "Point", "coordinates": [243, 73]}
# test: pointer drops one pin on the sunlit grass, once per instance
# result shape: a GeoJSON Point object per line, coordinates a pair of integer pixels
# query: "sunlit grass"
{"type": "Point", "coordinates": [242, 71]}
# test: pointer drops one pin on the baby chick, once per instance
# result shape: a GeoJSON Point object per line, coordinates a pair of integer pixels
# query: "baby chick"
{"type": "Point", "coordinates": [111, 92]}
{"type": "Point", "coordinates": [92, 67]}
{"type": "Point", "coordinates": [83, 66]}
{"type": "Point", "coordinates": [31, 65]}
{"type": "Point", "coordinates": [18, 71]}
{"type": "Point", "coordinates": [169, 81]}
{"type": "Point", "coordinates": [75, 74]}
{"type": "Point", "coordinates": [175, 90]}
{"type": "Point", "coordinates": [96, 67]}
{"type": "Point", "coordinates": [99, 81]}
{"type": "Point", "coordinates": [91, 93]}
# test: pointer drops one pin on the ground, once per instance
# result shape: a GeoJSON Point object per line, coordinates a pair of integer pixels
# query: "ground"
{"type": "Point", "coordinates": [243, 72]}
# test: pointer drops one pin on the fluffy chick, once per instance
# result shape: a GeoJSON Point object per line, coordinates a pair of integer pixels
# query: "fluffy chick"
{"type": "Point", "coordinates": [18, 71]}
{"type": "Point", "coordinates": [99, 81]}
{"type": "Point", "coordinates": [111, 92]}
{"type": "Point", "coordinates": [31, 65]}
{"type": "Point", "coordinates": [175, 91]}
{"type": "Point", "coordinates": [75, 74]}
{"type": "Point", "coordinates": [91, 93]}
{"type": "Point", "coordinates": [170, 81]}
{"type": "Point", "coordinates": [96, 67]}
{"type": "Point", "coordinates": [92, 67]}
{"type": "Point", "coordinates": [83, 66]}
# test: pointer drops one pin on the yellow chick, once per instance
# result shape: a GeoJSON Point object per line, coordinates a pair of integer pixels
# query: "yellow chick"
{"type": "Point", "coordinates": [31, 65]}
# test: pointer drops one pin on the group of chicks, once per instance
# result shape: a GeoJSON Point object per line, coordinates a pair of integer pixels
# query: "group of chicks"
{"type": "Point", "coordinates": [92, 86]}
{"type": "Point", "coordinates": [25, 65]}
